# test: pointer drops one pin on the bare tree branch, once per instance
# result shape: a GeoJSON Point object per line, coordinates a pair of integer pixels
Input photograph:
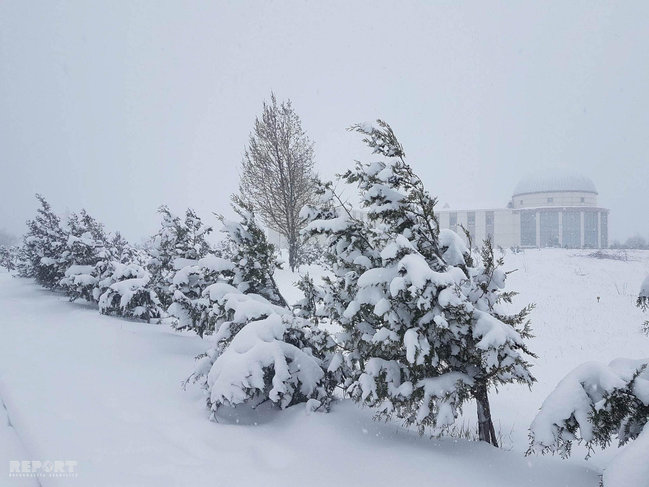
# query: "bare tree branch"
{"type": "Point", "coordinates": [277, 177]}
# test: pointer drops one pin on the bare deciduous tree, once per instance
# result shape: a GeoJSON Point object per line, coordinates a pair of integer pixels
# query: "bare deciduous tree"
{"type": "Point", "coordinates": [277, 177]}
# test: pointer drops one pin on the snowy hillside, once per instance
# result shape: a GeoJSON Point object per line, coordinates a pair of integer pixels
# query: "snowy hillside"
{"type": "Point", "coordinates": [570, 325]}
{"type": "Point", "coordinates": [106, 393]}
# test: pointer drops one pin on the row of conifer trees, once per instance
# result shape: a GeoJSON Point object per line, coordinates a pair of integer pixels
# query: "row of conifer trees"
{"type": "Point", "coordinates": [423, 318]}
{"type": "Point", "coordinates": [422, 315]}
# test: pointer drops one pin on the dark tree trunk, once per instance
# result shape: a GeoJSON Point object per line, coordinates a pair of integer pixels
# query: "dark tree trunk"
{"type": "Point", "coordinates": [292, 255]}
{"type": "Point", "coordinates": [486, 429]}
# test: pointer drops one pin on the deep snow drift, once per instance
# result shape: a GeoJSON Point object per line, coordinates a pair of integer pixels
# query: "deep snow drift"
{"type": "Point", "coordinates": [107, 393]}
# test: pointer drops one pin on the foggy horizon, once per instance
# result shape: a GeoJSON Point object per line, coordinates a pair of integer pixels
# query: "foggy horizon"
{"type": "Point", "coordinates": [119, 109]}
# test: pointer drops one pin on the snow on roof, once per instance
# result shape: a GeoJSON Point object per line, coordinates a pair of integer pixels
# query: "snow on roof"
{"type": "Point", "coordinates": [553, 181]}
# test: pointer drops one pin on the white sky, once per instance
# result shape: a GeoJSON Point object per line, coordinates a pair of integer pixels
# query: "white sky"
{"type": "Point", "coordinates": [121, 106]}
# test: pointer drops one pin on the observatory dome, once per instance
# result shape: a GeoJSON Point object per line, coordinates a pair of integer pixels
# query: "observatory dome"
{"type": "Point", "coordinates": [555, 182]}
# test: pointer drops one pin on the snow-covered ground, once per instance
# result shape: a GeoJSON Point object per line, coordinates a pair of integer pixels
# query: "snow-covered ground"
{"type": "Point", "coordinates": [106, 393]}
{"type": "Point", "coordinates": [570, 325]}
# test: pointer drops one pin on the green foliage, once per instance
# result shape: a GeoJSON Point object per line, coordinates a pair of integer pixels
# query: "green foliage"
{"type": "Point", "coordinates": [9, 257]}
{"type": "Point", "coordinates": [245, 263]}
{"type": "Point", "coordinates": [252, 254]}
{"type": "Point", "coordinates": [622, 414]}
{"type": "Point", "coordinates": [419, 310]}
{"type": "Point", "coordinates": [178, 241]}
{"type": "Point", "coordinates": [43, 244]}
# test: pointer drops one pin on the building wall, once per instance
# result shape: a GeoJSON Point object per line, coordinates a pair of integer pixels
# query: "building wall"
{"type": "Point", "coordinates": [505, 224]}
{"type": "Point", "coordinates": [508, 228]}
{"type": "Point", "coordinates": [572, 227]}
{"type": "Point", "coordinates": [562, 198]}
{"type": "Point", "coordinates": [550, 219]}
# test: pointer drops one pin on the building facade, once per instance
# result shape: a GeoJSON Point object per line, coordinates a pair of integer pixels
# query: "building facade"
{"type": "Point", "coordinates": [551, 210]}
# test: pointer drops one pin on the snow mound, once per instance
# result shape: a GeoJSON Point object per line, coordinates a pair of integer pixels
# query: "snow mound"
{"type": "Point", "coordinates": [257, 350]}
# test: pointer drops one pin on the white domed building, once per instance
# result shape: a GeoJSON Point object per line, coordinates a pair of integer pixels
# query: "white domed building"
{"type": "Point", "coordinates": [553, 209]}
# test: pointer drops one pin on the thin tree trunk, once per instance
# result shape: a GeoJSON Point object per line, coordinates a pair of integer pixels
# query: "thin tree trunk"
{"type": "Point", "coordinates": [292, 254]}
{"type": "Point", "coordinates": [486, 429]}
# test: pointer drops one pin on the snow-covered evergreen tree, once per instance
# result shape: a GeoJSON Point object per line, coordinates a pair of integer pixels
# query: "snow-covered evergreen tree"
{"type": "Point", "coordinates": [122, 251]}
{"type": "Point", "coordinates": [423, 324]}
{"type": "Point", "coordinates": [9, 257]}
{"type": "Point", "coordinates": [310, 252]}
{"type": "Point", "coordinates": [274, 356]}
{"type": "Point", "coordinates": [177, 242]}
{"type": "Point", "coordinates": [43, 244]}
{"type": "Point", "coordinates": [254, 257]}
{"type": "Point", "coordinates": [307, 306]}
{"type": "Point", "coordinates": [124, 284]}
{"type": "Point", "coordinates": [594, 404]}
{"type": "Point", "coordinates": [498, 363]}
{"type": "Point", "coordinates": [261, 352]}
{"type": "Point", "coordinates": [247, 262]}
{"type": "Point", "coordinates": [124, 290]}
{"type": "Point", "coordinates": [192, 306]}
{"type": "Point", "coordinates": [85, 257]}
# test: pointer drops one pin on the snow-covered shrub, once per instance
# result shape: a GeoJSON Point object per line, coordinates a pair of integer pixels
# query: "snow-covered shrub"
{"type": "Point", "coordinates": [423, 323]}
{"type": "Point", "coordinates": [86, 256]}
{"type": "Point", "coordinates": [261, 352]}
{"type": "Point", "coordinates": [9, 257]}
{"type": "Point", "coordinates": [247, 262]}
{"type": "Point", "coordinates": [310, 252]}
{"type": "Point", "coordinates": [122, 251]}
{"type": "Point", "coordinates": [307, 307]}
{"type": "Point", "coordinates": [594, 404]}
{"type": "Point", "coordinates": [125, 291]}
{"type": "Point", "coordinates": [79, 281]}
{"type": "Point", "coordinates": [253, 256]}
{"type": "Point", "coordinates": [192, 306]}
{"type": "Point", "coordinates": [177, 243]}
{"type": "Point", "coordinates": [264, 353]}
{"type": "Point", "coordinates": [43, 244]}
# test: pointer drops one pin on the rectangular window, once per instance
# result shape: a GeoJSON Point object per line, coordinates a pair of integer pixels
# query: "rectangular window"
{"type": "Point", "coordinates": [489, 223]}
{"type": "Point", "coordinates": [590, 229]}
{"type": "Point", "coordinates": [604, 229]}
{"type": "Point", "coordinates": [528, 229]}
{"type": "Point", "coordinates": [471, 224]}
{"type": "Point", "coordinates": [452, 221]}
{"type": "Point", "coordinates": [549, 228]}
{"type": "Point", "coordinates": [572, 229]}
